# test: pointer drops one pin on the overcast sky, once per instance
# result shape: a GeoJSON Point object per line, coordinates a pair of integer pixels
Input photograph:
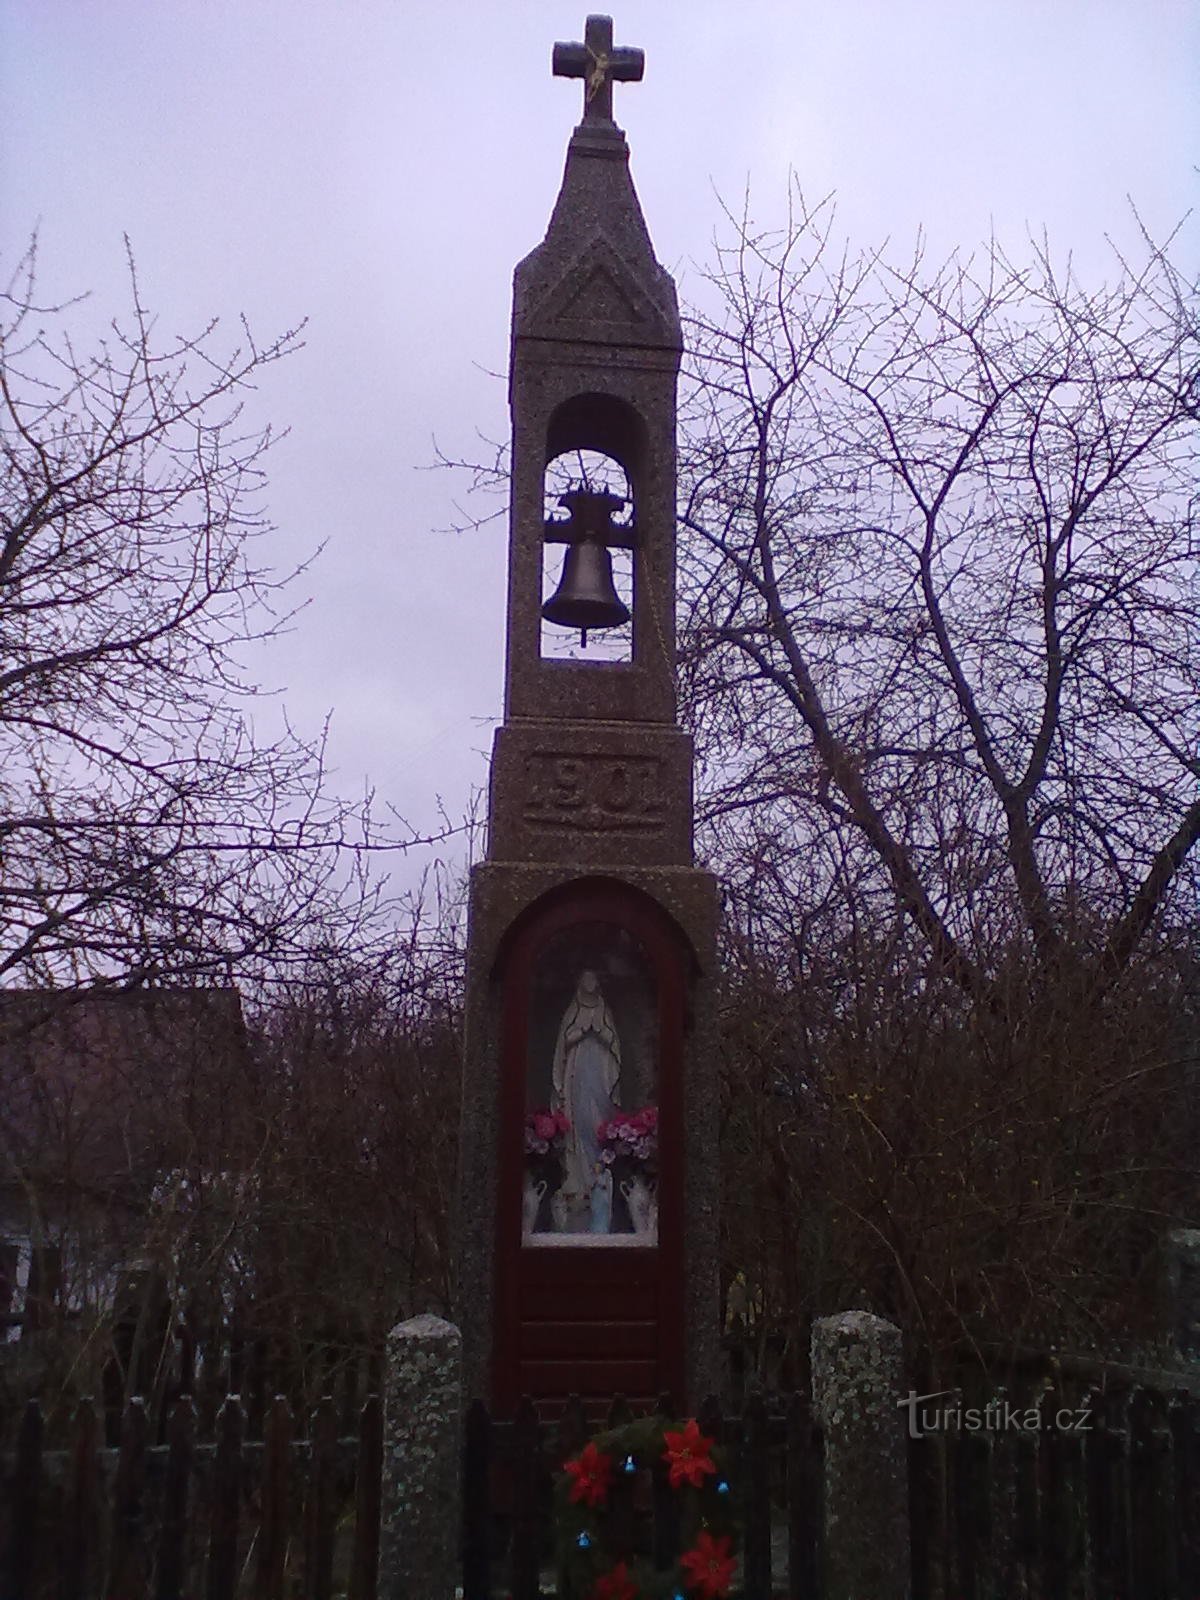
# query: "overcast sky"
{"type": "Point", "coordinates": [379, 166]}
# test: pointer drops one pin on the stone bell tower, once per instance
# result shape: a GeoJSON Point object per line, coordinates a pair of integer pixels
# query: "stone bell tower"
{"type": "Point", "coordinates": [588, 1186]}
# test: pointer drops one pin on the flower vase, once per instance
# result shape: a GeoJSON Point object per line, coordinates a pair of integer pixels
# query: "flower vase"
{"type": "Point", "coordinates": [643, 1209]}
{"type": "Point", "coordinates": [531, 1200]}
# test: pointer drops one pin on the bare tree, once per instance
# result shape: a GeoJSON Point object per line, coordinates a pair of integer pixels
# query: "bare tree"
{"type": "Point", "coordinates": [146, 834]}
{"type": "Point", "coordinates": [942, 582]}
{"type": "Point", "coordinates": [940, 656]}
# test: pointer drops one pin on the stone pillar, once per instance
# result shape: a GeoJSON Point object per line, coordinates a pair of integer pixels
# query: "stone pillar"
{"type": "Point", "coordinates": [856, 1375]}
{"type": "Point", "coordinates": [1183, 1290]}
{"type": "Point", "coordinates": [420, 1528]}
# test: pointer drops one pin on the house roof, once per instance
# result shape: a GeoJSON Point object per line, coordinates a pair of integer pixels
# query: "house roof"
{"type": "Point", "coordinates": [100, 1089]}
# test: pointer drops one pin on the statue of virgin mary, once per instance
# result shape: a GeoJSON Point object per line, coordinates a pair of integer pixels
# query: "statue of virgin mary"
{"type": "Point", "coordinates": [587, 1073]}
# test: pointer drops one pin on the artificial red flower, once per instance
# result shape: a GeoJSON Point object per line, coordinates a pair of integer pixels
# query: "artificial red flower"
{"type": "Point", "coordinates": [709, 1566]}
{"type": "Point", "coordinates": [688, 1455]}
{"type": "Point", "coordinates": [615, 1585]}
{"type": "Point", "coordinates": [592, 1472]}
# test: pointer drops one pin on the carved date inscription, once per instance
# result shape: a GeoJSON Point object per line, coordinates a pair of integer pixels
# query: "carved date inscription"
{"type": "Point", "coordinates": [594, 793]}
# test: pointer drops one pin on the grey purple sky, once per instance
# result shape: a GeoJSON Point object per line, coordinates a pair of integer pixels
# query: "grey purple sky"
{"type": "Point", "coordinates": [379, 167]}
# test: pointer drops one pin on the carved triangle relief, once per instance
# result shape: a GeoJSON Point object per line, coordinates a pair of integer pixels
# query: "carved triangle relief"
{"type": "Point", "coordinates": [597, 296]}
{"type": "Point", "coordinates": [601, 298]}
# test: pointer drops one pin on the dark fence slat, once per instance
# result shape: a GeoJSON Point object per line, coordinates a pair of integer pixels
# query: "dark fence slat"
{"type": "Point", "coordinates": [757, 1489]}
{"type": "Point", "coordinates": [81, 1509]}
{"type": "Point", "coordinates": [321, 1505]}
{"type": "Point", "coordinates": [1150, 1491]}
{"type": "Point", "coordinates": [621, 1513]}
{"type": "Point", "coordinates": [1089, 1422]}
{"type": "Point", "coordinates": [1184, 1422]}
{"type": "Point", "coordinates": [804, 1476]}
{"type": "Point", "coordinates": [172, 1539]}
{"type": "Point", "coordinates": [526, 1479]}
{"type": "Point", "coordinates": [971, 1489]}
{"type": "Point", "coordinates": [1002, 1505]}
{"type": "Point", "coordinates": [664, 1505]}
{"type": "Point", "coordinates": [1108, 1497]}
{"type": "Point", "coordinates": [368, 1502]}
{"type": "Point", "coordinates": [476, 1502]}
{"type": "Point", "coordinates": [572, 1432]}
{"type": "Point", "coordinates": [21, 1555]}
{"type": "Point", "coordinates": [127, 1564]}
{"type": "Point", "coordinates": [273, 1532]}
{"type": "Point", "coordinates": [619, 1413]}
{"type": "Point", "coordinates": [226, 1498]}
{"type": "Point", "coordinates": [1027, 1506]}
{"type": "Point", "coordinates": [922, 1510]}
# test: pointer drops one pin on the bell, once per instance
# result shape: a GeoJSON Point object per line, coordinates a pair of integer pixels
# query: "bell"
{"type": "Point", "coordinates": [586, 597]}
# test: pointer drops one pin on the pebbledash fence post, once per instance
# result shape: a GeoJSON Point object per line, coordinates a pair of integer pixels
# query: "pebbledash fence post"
{"type": "Point", "coordinates": [420, 1528]}
{"type": "Point", "coordinates": [856, 1374]}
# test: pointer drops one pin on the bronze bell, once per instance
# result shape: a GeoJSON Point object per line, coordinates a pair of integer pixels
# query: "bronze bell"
{"type": "Point", "coordinates": [586, 596]}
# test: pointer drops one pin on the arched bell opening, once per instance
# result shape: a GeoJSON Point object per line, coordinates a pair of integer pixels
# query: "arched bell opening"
{"type": "Point", "coordinates": [587, 584]}
{"type": "Point", "coordinates": [595, 450]}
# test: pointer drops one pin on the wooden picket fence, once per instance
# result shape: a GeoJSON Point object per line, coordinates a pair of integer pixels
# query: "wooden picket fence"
{"type": "Point", "coordinates": [1095, 1497]}
{"type": "Point", "coordinates": [185, 1518]}
{"type": "Point", "coordinates": [1110, 1511]}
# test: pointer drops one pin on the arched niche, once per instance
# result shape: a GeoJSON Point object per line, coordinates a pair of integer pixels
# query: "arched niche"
{"type": "Point", "coordinates": [634, 966]}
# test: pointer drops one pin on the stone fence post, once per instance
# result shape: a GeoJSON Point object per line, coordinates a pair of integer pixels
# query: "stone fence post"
{"type": "Point", "coordinates": [856, 1375]}
{"type": "Point", "coordinates": [420, 1527]}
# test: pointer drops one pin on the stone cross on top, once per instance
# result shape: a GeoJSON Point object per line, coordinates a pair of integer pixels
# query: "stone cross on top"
{"type": "Point", "coordinates": [598, 64]}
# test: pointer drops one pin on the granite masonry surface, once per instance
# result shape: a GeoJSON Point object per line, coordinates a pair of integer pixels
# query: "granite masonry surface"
{"type": "Point", "coordinates": [591, 777]}
{"type": "Point", "coordinates": [857, 1371]}
{"type": "Point", "coordinates": [420, 1524]}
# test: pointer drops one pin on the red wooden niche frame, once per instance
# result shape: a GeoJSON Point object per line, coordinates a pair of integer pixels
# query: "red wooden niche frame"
{"type": "Point", "coordinates": [637, 1290]}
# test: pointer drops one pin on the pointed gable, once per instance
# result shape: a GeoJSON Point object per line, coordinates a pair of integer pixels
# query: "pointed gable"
{"type": "Point", "coordinates": [598, 298]}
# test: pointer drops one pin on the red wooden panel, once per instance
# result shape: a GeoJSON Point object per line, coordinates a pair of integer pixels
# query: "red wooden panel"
{"type": "Point", "coordinates": [586, 1378]}
{"type": "Point", "coordinates": [555, 1302]}
{"type": "Point", "coordinates": [570, 1340]}
{"type": "Point", "coordinates": [613, 1268]}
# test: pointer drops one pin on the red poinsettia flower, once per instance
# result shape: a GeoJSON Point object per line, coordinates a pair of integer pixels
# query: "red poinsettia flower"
{"type": "Point", "coordinates": [592, 1472]}
{"type": "Point", "coordinates": [615, 1585]}
{"type": "Point", "coordinates": [688, 1455]}
{"type": "Point", "coordinates": [709, 1566]}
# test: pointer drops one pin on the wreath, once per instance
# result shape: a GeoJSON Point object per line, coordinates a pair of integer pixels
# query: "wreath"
{"type": "Point", "coordinates": [600, 1492]}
